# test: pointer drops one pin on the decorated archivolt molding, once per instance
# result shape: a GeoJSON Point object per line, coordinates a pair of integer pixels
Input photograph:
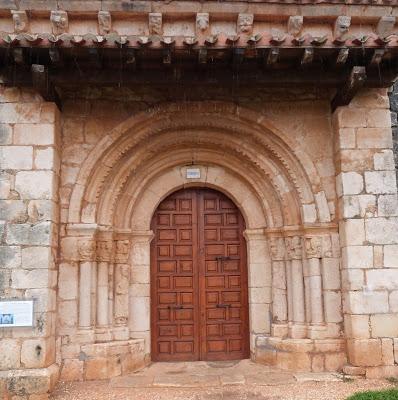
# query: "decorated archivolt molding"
{"type": "Point", "coordinates": [120, 142]}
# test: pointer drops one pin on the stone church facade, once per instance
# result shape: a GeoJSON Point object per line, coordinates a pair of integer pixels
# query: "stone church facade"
{"type": "Point", "coordinates": [136, 135]}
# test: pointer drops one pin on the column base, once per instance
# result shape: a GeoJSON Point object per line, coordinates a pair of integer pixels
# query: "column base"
{"type": "Point", "coordinates": [121, 333]}
{"type": "Point", "coordinates": [105, 360]}
{"type": "Point", "coordinates": [301, 355]}
{"type": "Point", "coordinates": [29, 383]}
{"type": "Point", "coordinates": [298, 331]}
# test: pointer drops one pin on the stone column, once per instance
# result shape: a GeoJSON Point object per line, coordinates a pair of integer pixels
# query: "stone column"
{"type": "Point", "coordinates": [29, 226]}
{"type": "Point", "coordinates": [313, 286]}
{"type": "Point", "coordinates": [121, 286]}
{"type": "Point", "coordinates": [87, 265]}
{"type": "Point", "coordinates": [368, 226]}
{"type": "Point", "coordinates": [279, 326]}
{"type": "Point", "coordinates": [297, 326]}
{"type": "Point", "coordinates": [260, 283]}
{"type": "Point", "coordinates": [104, 258]}
{"type": "Point", "coordinates": [139, 290]}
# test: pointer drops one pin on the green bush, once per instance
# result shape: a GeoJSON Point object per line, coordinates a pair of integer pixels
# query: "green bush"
{"type": "Point", "coordinates": [391, 394]}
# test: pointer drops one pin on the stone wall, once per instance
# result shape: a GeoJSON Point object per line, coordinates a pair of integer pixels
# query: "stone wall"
{"type": "Point", "coordinates": [368, 220]}
{"type": "Point", "coordinates": [29, 216]}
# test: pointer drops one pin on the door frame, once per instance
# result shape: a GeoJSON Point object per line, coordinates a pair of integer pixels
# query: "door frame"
{"type": "Point", "coordinates": [199, 274]}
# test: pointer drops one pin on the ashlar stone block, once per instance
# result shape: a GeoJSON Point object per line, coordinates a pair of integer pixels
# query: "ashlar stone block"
{"type": "Point", "coordinates": [391, 256]}
{"type": "Point", "coordinates": [357, 257]}
{"type": "Point", "coordinates": [10, 354]}
{"type": "Point", "coordinates": [35, 184]}
{"type": "Point", "coordinates": [384, 161]}
{"type": "Point", "coordinates": [380, 182]}
{"type": "Point", "coordinates": [364, 352]}
{"type": "Point", "coordinates": [387, 205]}
{"type": "Point", "coordinates": [29, 234]}
{"type": "Point", "coordinates": [382, 230]}
{"type": "Point", "coordinates": [34, 134]}
{"type": "Point", "coordinates": [349, 183]}
{"type": "Point", "coordinates": [382, 278]}
{"type": "Point", "coordinates": [352, 232]}
{"type": "Point", "coordinates": [366, 302]}
{"type": "Point", "coordinates": [384, 325]}
{"type": "Point", "coordinates": [16, 157]}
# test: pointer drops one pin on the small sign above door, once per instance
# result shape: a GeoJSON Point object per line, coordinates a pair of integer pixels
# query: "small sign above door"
{"type": "Point", "coordinates": [193, 173]}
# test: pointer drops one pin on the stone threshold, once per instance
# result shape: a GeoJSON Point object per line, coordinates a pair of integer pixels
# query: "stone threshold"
{"type": "Point", "coordinates": [215, 374]}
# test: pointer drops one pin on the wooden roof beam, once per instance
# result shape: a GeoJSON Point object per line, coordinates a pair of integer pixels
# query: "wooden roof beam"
{"type": "Point", "coordinates": [346, 93]}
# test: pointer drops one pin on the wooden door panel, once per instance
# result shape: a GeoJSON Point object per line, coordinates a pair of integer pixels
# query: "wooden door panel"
{"type": "Point", "coordinates": [199, 304]}
{"type": "Point", "coordinates": [223, 279]}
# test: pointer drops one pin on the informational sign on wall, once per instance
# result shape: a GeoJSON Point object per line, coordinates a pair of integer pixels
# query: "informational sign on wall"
{"type": "Point", "coordinates": [14, 313]}
{"type": "Point", "coordinates": [193, 173]}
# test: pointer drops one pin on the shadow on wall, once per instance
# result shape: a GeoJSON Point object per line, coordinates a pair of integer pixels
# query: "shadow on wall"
{"type": "Point", "coordinates": [393, 94]}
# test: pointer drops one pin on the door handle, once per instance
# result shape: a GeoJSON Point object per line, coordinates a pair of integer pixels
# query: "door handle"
{"type": "Point", "coordinates": [223, 305]}
{"type": "Point", "coordinates": [223, 258]}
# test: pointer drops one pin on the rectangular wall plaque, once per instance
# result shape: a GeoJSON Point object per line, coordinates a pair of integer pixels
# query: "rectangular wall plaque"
{"type": "Point", "coordinates": [193, 173]}
{"type": "Point", "coordinates": [14, 313]}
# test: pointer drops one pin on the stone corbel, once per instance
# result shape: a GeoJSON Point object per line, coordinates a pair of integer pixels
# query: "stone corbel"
{"type": "Point", "coordinates": [155, 24]}
{"type": "Point", "coordinates": [59, 22]}
{"type": "Point", "coordinates": [104, 22]}
{"type": "Point", "coordinates": [245, 23]}
{"type": "Point", "coordinates": [341, 28]}
{"type": "Point", "coordinates": [21, 21]}
{"type": "Point", "coordinates": [295, 25]}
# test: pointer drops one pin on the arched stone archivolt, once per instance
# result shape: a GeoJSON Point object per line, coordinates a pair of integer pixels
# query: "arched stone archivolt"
{"type": "Point", "coordinates": [268, 150]}
{"type": "Point", "coordinates": [290, 240]}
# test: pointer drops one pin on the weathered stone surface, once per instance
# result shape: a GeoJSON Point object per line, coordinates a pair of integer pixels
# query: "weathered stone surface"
{"type": "Point", "coordinates": [364, 352]}
{"type": "Point", "coordinates": [29, 235]}
{"type": "Point", "coordinates": [16, 157]}
{"type": "Point", "coordinates": [10, 354]}
{"type": "Point", "coordinates": [35, 184]}
{"type": "Point", "coordinates": [10, 256]}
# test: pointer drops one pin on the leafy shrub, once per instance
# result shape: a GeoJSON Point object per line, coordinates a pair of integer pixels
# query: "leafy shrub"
{"type": "Point", "coordinates": [391, 394]}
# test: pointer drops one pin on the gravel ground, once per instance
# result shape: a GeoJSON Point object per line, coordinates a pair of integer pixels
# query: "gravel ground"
{"type": "Point", "coordinates": [102, 390]}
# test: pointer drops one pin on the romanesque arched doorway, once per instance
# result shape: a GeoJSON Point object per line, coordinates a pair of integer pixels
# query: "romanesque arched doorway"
{"type": "Point", "coordinates": [199, 289]}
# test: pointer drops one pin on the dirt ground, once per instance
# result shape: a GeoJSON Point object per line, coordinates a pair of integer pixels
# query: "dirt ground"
{"type": "Point", "coordinates": [103, 390]}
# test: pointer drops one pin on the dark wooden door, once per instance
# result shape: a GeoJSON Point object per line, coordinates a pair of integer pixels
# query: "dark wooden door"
{"type": "Point", "coordinates": [199, 305]}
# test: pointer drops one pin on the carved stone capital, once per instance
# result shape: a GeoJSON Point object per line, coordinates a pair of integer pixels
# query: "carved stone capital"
{"type": "Point", "coordinates": [86, 249]}
{"type": "Point", "coordinates": [104, 250]}
{"type": "Point", "coordinates": [313, 247]}
{"type": "Point", "coordinates": [277, 247]}
{"type": "Point", "coordinates": [294, 247]}
{"type": "Point", "coordinates": [122, 250]}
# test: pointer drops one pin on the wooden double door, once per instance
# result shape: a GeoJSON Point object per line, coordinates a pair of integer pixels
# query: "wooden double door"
{"type": "Point", "coordinates": [199, 301]}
